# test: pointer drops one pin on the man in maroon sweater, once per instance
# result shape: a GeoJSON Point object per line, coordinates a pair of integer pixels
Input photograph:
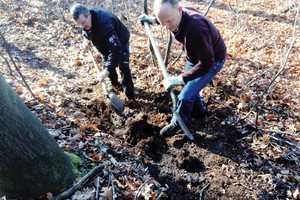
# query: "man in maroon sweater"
{"type": "Point", "coordinates": [206, 55]}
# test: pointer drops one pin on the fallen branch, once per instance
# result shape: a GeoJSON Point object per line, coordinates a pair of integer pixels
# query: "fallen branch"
{"type": "Point", "coordinates": [202, 194]}
{"type": "Point", "coordinates": [255, 78]}
{"type": "Point", "coordinates": [284, 141]}
{"type": "Point", "coordinates": [140, 188]}
{"type": "Point", "coordinates": [274, 78]}
{"type": "Point", "coordinates": [89, 176]}
{"type": "Point", "coordinates": [209, 6]}
{"type": "Point", "coordinates": [15, 66]}
{"type": "Point", "coordinates": [112, 185]}
{"type": "Point", "coordinates": [166, 59]}
{"type": "Point", "coordinates": [295, 38]}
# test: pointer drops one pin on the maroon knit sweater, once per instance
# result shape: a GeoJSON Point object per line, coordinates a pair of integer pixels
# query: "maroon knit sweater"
{"type": "Point", "coordinates": [201, 41]}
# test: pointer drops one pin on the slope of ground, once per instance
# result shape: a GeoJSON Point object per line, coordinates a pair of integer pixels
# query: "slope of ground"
{"type": "Point", "coordinates": [232, 156]}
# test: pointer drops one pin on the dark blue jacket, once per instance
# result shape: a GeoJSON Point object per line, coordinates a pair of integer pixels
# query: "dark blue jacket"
{"type": "Point", "coordinates": [108, 34]}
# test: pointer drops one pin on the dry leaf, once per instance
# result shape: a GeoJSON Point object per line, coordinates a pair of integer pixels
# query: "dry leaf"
{"type": "Point", "coordinates": [272, 117]}
{"type": "Point", "coordinates": [106, 193]}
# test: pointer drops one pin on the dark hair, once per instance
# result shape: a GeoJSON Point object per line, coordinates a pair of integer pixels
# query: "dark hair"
{"type": "Point", "coordinates": [77, 9]}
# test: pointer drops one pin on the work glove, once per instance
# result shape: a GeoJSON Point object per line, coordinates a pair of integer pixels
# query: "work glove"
{"type": "Point", "coordinates": [85, 44]}
{"type": "Point", "coordinates": [172, 81]}
{"type": "Point", "coordinates": [145, 18]}
{"type": "Point", "coordinates": [103, 75]}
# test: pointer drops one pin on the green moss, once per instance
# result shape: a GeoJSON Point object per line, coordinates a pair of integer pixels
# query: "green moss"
{"type": "Point", "coordinates": [75, 161]}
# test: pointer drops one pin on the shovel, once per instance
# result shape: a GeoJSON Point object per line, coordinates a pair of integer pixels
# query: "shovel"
{"type": "Point", "coordinates": [113, 101]}
{"type": "Point", "coordinates": [165, 74]}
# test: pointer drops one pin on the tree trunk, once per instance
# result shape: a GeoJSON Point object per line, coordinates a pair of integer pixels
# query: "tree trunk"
{"type": "Point", "coordinates": [31, 162]}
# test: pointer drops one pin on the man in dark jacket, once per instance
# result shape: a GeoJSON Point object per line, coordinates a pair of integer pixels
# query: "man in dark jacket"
{"type": "Point", "coordinates": [205, 50]}
{"type": "Point", "coordinates": [111, 37]}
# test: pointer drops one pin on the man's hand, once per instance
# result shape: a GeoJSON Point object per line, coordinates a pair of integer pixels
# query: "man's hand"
{"type": "Point", "coordinates": [145, 18]}
{"type": "Point", "coordinates": [172, 81]}
{"type": "Point", "coordinates": [86, 43]}
{"type": "Point", "coordinates": [103, 75]}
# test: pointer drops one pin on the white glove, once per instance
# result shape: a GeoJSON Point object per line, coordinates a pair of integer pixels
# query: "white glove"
{"type": "Point", "coordinates": [172, 81]}
{"type": "Point", "coordinates": [85, 43]}
{"type": "Point", "coordinates": [103, 75]}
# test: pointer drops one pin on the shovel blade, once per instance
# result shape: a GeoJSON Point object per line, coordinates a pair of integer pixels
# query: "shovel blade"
{"type": "Point", "coordinates": [115, 103]}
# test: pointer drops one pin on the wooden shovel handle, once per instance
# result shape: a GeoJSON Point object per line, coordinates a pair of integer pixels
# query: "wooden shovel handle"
{"type": "Point", "coordinates": [165, 74]}
{"type": "Point", "coordinates": [98, 71]}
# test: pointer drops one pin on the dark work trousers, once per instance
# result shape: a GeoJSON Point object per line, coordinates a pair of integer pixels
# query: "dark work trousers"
{"type": "Point", "coordinates": [125, 72]}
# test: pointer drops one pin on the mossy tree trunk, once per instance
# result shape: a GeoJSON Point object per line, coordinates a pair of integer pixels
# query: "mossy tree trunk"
{"type": "Point", "coordinates": [31, 162]}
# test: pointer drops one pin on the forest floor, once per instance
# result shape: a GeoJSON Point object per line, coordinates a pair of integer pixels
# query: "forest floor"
{"type": "Point", "coordinates": [237, 153]}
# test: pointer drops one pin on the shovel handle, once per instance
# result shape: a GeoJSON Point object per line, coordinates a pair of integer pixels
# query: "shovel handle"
{"type": "Point", "coordinates": [165, 74]}
{"type": "Point", "coordinates": [104, 87]}
{"type": "Point", "coordinates": [156, 51]}
{"type": "Point", "coordinates": [94, 60]}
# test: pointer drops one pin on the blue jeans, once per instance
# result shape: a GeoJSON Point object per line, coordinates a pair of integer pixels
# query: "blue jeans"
{"type": "Point", "coordinates": [189, 99]}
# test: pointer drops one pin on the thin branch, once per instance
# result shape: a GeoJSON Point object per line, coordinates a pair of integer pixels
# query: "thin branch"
{"type": "Point", "coordinates": [140, 188]}
{"type": "Point", "coordinates": [126, 9]}
{"type": "Point", "coordinates": [295, 24]}
{"type": "Point", "coordinates": [112, 178]}
{"type": "Point", "coordinates": [113, 6]}
{"type": "Point", "coordinates": [255, 78]}
{"type": "Point", "coordinates": [89, 176]}
{"type": "Point", "coordinates": [209, 6]}
{"type": "Point", "coordinates": [9, 67]}
{"type": "Point", "coordinates": [202, 192]}
{"type": "Point", "coordinates": [178, 57]}
{"type": "Point", "coordinates": [145, 7]}
{"type": "Point", "coordinates": [15, 66]}
{"type": "Point", "coordinates": [166, 59]}
{"type": "Point", "coordinates": [274, 78]}
{"type": "Point", "coordinates": [285, 141]}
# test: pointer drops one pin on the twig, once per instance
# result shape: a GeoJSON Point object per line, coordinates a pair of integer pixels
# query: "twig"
{"type": "Point", "coordinates": [89, 176]}
{"type": "Point", "coordinates": [140, 188]}
{"type": "Point", "coordinates": [145, 7]}
{"type": "Point", "coordinates": [112, 184]}
{"type": "Point", "coordinates": [202, 194]}
{"type": "Point", "coordinates": [8, 65]}
{"type": "Point", "coordinates": [113, 6]}
{"type": "Point", "coordinates": [97, 184]}
{"type": "Point", "coordinates": [149, 43]}
{"type": "Point", "coordinates": [295, 23]}
{"type": "Point", "coordinates": [285, 141]}
{"type": "Point", "coordinates": [274, 78]}
{"type": "Point", "coordinates": [15, 66]}
{"type": "Point", "coordinates": [209, 6]}
{"type": "Point", "coordinates": [126, 10]}
{"type": "Point", "coordinates": [283, 133]}
{"type": "Point", "coordinates": [178, 57]}
{"type": "Point", "coordinates": [166, 59]}
{"type": "Point", "coordinates": [255, 78]}
{"type": "Point", "coordinates": [295, 38]}
{"type": "Point", "coordinates": [89, 158]}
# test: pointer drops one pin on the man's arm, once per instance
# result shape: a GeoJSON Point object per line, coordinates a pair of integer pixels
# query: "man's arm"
{"type": "Point", "coordinates": [200, 43]}
{"type": "Point", "coordinates": [114, 46]}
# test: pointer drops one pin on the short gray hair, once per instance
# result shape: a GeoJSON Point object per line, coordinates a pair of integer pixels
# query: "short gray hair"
{"type": "Point", "coordinates": [173, 3]}
{"type": "Point", "coordinates": [77, 9]}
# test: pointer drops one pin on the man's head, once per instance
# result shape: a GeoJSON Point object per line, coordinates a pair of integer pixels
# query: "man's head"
{"type": "Point", "coordinates": [168, 13]}
{"type": "Point", "coordinates": [82, 16]}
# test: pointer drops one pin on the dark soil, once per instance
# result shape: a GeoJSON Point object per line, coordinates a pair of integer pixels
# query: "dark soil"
{"type": "Point", "coordinates": [219, 163]}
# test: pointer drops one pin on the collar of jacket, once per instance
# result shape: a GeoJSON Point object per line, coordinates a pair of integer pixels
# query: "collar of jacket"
{"type": "Point", "coordinates": [176, 32]}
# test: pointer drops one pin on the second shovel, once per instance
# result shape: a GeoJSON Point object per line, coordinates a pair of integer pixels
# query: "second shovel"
{"type": "Point", "coordinates": [113, 101]}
